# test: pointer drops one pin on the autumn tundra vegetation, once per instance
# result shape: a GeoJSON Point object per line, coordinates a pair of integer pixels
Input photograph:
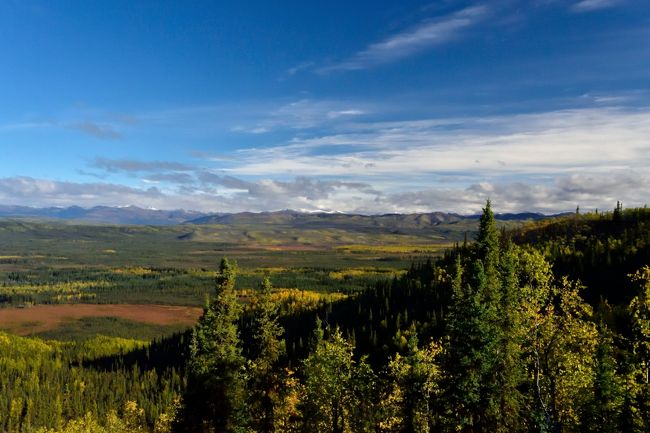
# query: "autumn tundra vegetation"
{"type": "Point", "coordinates": [536, 327]}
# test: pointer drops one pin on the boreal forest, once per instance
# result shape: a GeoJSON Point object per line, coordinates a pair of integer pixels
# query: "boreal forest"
{"type": "Point", "coordinates": [542, 326]}
{"type": "Point", "coordinates": [370, 216]}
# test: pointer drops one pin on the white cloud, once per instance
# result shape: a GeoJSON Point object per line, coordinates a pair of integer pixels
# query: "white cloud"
{"type": "Point", "coordinates": [342, 113]}
{"type": "Point", "coordinates": [425, 35]}
{"type": "Point", "coordinates": [547, 162]}
{"type": "Point", "coordinates": [303, 114]}
{"type": "Point", "coordinates": [299, 68]}
{"type": "Point", "coordinates": [591, 5]}
{"type": "Point", "coordinates": [560, 142]}
{"type": "Point", "coordinates": [134, 166]}
{"type": "Point", "coordinates": [95, 129]}
{"type": "Point", "coordinates": [43, 192]}
{"type": "Point", "coordinates": [237, 195]}
{"type": "Point", "coordinates": [561, 194]}
{"type": "Point", "coordinates": [101, 130]}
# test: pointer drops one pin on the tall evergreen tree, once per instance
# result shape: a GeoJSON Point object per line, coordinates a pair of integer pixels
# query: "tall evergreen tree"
{"type": "Point", "coordinates": [509, 365]}
{"type": "Point", "coordinates": [465, 356]}
{"type": "Point", "coordinates": [618, 212]}
{"type": "Point", "coordinates": [215, 399]}
{"type": "Point", "coordinates": [266, 377]}
{"type": "Point", "coordinates": [487, 244]}
{"type": "Point", "coordinates": [483, 360]}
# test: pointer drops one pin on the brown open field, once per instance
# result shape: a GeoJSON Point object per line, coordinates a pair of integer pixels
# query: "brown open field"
{"type": "Point", "coordinates": [41, 318]}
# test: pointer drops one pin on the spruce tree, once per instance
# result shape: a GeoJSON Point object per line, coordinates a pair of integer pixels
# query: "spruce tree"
{"type": "Point", "coordinates": [216, 395]}
{"type": "Point", "coordinates": [487, 244]}
{"type": "Point", "coordinates": [509, 366]}
{"type": "Point", "coordinates": [618, 212]}
{"type": "Point", "coordinates": [266, 378]}
{"type": "Point", "coordinates": [464, 359]}
{"type": "Point", "coordinates": [481, 342]}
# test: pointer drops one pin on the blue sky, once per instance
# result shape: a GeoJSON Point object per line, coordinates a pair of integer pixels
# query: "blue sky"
{"type": "Point", "coordinates": [363, 106]}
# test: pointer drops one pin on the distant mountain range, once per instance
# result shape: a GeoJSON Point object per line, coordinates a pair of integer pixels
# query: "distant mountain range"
{"type": "Point", "coordinates": [103, 214]}
{"type": "Point", "coordinates": [139, 216]}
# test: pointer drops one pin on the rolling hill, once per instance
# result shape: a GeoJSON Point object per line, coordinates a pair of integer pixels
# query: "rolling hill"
{"type": "Point", "coordinates": [102, 214]}
{"type": "Point", "coordinates": [133, 215]}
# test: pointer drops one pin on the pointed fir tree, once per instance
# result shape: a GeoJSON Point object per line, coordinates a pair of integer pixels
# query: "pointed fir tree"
{"type": "Point", "coordinates": [509, 367]}
{"type": "Point", "coordinates": [267, 348]}
{"type": "Point", "coordinates": [617, 216]}
{"type": "Point", "coordinates": [487, 243]}
{"type": "Point", "coordinates": [481, 337]}
{"type": "Point", "coordinates": [215, 398]}
{"type": "Point", "coordinates": [464, 358]}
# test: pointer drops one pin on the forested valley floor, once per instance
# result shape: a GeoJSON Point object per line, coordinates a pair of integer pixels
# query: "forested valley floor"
{"type": "Point", "coordinates": [542, 327]}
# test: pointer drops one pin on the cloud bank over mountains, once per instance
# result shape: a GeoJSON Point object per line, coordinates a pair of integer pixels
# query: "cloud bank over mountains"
{"type": "Point", "coordinates": [546, 162]}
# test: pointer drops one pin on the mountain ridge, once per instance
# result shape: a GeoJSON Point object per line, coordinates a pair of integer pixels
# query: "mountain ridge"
{"type": "Point", "coordinates": [102, 214]}
{"type": "Point", "coordinates": [133, 215]}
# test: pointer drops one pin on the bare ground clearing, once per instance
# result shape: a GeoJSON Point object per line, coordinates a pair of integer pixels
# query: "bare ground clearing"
{"type": "Point", "coordinates": [41, 318]}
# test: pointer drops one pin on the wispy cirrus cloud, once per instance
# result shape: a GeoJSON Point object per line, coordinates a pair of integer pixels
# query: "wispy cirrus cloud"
{"type": "Point", "coordinates": [592, 5]}
{"type": "Point", "coordinates": [303, 66]}
{"type": "Point", "coordinates": [135, 166]}
{"type": "Point", "coordinates": [303, 114]}
{"type": "Point", "coordinates": [103, 131]}
{"type": "Point", "coordinates": [175, 178]}
{"type": "Point", "coordinates": [425, 35]}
